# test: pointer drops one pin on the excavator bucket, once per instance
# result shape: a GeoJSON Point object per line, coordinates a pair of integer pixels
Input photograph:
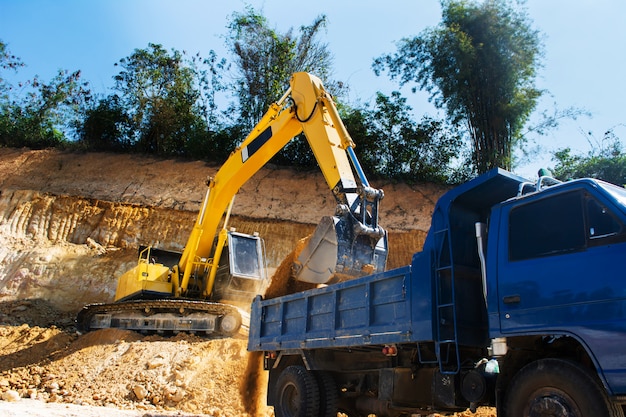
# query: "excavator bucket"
{"type": "Point", "coordinates": [341, 248]}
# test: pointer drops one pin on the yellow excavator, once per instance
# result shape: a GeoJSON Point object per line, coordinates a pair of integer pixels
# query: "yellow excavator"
{"type": "Point", "coordinates": [197, 290]}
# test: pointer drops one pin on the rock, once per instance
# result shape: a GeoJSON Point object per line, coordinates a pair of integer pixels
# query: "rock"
{"type": "Point", "coordinates": [140, 392]}
{"type": "Point", "coordinates": [177, 396]}
{"type": "Point", "coordinates": [156, 362]}
{"type": "Point", "coordinates": [92, 244]}
{"type": "Point", "coordinates": [11, 396]}
{"type": "Point", "coordinates": [52, 387]}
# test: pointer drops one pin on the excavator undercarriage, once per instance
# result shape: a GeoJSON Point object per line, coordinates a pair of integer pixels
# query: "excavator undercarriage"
{"type": "Point", "coordinates": [204, 318]}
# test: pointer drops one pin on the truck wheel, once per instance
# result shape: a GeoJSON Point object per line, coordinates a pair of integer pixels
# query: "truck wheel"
{"type": "Point", "coordinates": [297, 393]}
{"type": "Point", "coordinates": [329, 396]}
{"type": "Point", "coordinates": [556, 388]}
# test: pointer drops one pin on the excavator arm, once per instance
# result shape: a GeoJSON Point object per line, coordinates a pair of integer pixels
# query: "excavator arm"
{"type": "Point", "coordinates": [350, 243]}
{"type": "Point", "coordinates": [306, 107]}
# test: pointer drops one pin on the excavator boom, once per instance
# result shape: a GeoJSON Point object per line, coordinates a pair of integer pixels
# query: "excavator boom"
{"type": "Point", "coordinates": [211, 267]}
{"type": "Point", "coordinates": [357, 245]}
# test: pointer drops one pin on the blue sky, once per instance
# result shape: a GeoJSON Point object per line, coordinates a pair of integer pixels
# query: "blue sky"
{"type": "Point", "coordinates": [584, 63]}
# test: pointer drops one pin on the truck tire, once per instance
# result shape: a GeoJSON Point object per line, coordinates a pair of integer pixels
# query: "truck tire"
{"type": "Point", "coordinates": [329, 396]}
{"type": "Point", "coordinates": [556, 388]}
{"type": "Point", "coordinates": [297, 393]}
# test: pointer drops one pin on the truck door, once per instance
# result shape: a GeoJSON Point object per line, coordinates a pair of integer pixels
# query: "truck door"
{"type": "Point", "coordinates": [561, 270]}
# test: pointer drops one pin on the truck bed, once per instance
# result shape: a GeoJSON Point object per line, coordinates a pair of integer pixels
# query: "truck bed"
{"type": "Point", "coordinates": [370, 310]}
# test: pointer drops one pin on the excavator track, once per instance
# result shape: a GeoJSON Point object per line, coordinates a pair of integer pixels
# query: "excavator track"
{"type": "Point", "coordinates": [166, 316]}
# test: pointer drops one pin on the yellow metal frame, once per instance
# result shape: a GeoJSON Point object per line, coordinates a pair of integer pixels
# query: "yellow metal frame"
{"type": "Point", "coordinates": [306, 107]}
{"type": "Point", "coordinates": [311, 111]}
{"type": "Point", "coordinates": [146, 276]}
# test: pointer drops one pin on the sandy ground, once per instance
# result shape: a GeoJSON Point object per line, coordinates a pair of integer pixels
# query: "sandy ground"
{"type": "Point", "coordinates": [122, 369]}
{"type": "Point", "coordinates": [35, 408]}
{"type": "Point", "coordinates": [70, 223]}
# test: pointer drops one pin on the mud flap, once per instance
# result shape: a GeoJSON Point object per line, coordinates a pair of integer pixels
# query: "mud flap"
{"type": "Point", "coordinates": [341, 245]}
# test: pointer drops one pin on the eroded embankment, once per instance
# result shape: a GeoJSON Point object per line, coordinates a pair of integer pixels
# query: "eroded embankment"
{"type": "Point", "coordinates": [70, 250]}
{"type": "Point", "coordinates": [272, 193]}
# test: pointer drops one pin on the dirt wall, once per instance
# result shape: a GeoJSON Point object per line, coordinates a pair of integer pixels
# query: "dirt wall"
{"type": "Point", "coordinates": [272, 193]}
{"type": "Point", "coordinates": [71, 223]}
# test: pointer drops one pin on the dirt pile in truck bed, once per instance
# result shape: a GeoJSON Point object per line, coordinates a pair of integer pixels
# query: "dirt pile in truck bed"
{"type": "Point", "coordinates": [70, 224]}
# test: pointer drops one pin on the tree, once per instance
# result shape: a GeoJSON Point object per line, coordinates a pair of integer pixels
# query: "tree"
{"type": "Point", "coordinates": [105, 126]}
{"type": "Point", "coordinates": [47, 114]}
{"type": "Point", "coordinates": [157, 90]}
{"type": "Point", "coordinates": [208, 75]}
{"type": "Point", "coordinates": [266, 59]}
{"type": "Point", "coordinates": [391, 144]}
{"type": "Point", "coordinates": [607, 161]}
{"type": "Point", "coordinates": [40, 114]}
{"type": "Point", "coordinates": [8, 61]}
{"type": "Point", "coordinates": [479, 64]}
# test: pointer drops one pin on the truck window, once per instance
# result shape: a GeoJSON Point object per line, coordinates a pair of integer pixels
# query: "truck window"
{"type": "Point", "coordinates": [548, 226]}
{"type": "Point", "coordinates": [601, 222]}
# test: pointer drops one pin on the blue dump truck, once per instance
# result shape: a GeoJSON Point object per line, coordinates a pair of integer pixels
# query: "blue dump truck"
{"type": "Point", "coordinates": [517, 301]}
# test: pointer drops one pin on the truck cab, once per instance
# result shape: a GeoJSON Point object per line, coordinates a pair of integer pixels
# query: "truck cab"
{"type": "Point", "coordinates": [552, 296]}
{"type": "Point", "coordinates": [554, 258]}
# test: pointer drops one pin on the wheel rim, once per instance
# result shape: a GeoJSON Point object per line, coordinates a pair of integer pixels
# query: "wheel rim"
{"type": "Point", "coordinates": [551, 402]}
{"type": "Point", "coordinates": [290, 400]}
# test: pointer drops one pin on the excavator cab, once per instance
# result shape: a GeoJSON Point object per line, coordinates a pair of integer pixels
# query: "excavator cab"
{"type": "Point", "coordinates": [241, 274]}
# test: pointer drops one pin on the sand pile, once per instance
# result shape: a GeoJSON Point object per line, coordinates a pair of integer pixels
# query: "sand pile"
{"type": "Point", "coordinates": [126, 370]}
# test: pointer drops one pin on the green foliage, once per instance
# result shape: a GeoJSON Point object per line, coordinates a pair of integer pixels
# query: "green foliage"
{"type": "Point", "coordinates": [46, 115]}
{"type": "Point", "coordinates": [40, 114]}
{"type": "Point", "coordinates": [606, 162]}
{"type": "Point", "coordinates": [297, 153]}
{"type": "Point", "coordinates": [8, 61]}
{"type": "Point", "coordinates": [266, 59]}
{"type": "Point", "coordinates": [166, 103]}
{"type": "Point", "coordinates": [479, 64]}
{"type": "Point", "coordinates": [216, 145]}
{"type": "Point", "coordinates": [105, 126]}
{"type": "Point", "coordinates": [391, 144]}
{"type": "Point", "coordinates": [208, 80]}
{"type": "Point", "coordinates": [157, 90]}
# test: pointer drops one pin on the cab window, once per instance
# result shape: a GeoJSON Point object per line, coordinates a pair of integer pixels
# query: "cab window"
{"type": "Point", "coordinates": [601, 222]}
{"type": "Point", "coordinates": [546, 227]}
{"type": "Point", "coordinates": [560, 224]}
